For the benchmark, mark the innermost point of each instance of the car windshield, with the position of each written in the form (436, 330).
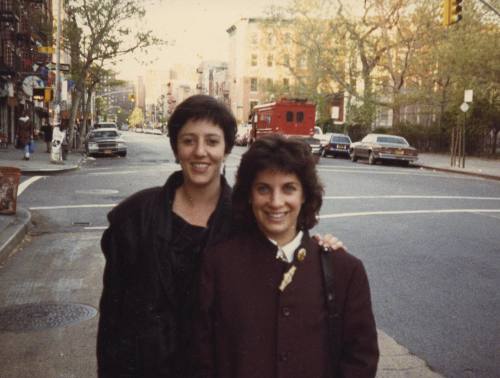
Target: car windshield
(391, 139)
(340, 139)
(105, 134)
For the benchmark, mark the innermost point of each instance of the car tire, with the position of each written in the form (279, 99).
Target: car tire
(371, 159)
(122, 154)
(353, 156)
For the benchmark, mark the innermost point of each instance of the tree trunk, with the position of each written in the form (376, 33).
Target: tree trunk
(494, 141)
(74, 111)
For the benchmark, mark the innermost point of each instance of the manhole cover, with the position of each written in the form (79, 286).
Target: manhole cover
(40, 316)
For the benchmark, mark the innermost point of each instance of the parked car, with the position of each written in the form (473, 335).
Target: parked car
(105, 142)
(383, 147)
(313, 143)
(338, 145)
(323, 137)
(105, 125)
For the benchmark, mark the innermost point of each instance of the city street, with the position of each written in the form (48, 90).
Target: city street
(430, 242)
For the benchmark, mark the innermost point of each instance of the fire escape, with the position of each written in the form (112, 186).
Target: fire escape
(10, 62)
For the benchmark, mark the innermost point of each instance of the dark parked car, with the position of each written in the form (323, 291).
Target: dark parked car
(383, 147)
(338, 145)
(105, 142)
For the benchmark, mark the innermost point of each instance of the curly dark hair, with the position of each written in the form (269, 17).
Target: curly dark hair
(206, 108)
(283, 155)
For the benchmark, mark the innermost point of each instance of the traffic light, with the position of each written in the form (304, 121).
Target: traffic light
(452, 11)
(38, 94)
(48, 94)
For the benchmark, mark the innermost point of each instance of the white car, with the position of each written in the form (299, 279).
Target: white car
(324, 138)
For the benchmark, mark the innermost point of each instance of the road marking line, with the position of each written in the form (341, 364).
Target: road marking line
(22, 186)
(406, 212)
(112, 173)
(71, 207)
(96, 228)
(398, 173)
(409, 197)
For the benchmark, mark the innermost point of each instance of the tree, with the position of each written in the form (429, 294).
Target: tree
(99, 32)
(136, 119)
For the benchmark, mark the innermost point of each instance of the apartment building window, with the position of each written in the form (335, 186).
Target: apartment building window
(287, 38)
(269, 83)
(289, 116)
(253, 60)
(253, 84)
(286, 83)
(270, 60)
(286, 60)
(301, 61)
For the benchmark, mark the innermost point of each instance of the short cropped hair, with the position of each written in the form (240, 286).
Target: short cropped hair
(283, 155)
(202, 108)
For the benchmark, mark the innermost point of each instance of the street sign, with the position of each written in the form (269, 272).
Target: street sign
(468, 95)
(63, 67)
(46, 49)
(464, 107)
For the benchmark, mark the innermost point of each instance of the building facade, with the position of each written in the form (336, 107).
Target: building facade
(259, 67)
(213, 80)
(26, 51)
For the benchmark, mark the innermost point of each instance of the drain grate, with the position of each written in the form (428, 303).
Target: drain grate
(40, 316)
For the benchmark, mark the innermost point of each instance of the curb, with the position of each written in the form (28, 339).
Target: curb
(56, 170)
(14, 232)
(451, 170)
(49, 171)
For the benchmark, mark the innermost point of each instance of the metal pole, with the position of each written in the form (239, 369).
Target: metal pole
(463, 141)
(57, 97)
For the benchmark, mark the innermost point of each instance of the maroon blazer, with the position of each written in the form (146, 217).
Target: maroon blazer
(248, 328)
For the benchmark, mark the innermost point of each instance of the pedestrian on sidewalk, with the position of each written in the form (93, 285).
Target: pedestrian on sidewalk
(25, 136)
(264, 293)
(153, 247)
(47, 134)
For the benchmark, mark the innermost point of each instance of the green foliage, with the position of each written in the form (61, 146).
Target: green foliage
(136, 119)
(97, 33)
(404, 58)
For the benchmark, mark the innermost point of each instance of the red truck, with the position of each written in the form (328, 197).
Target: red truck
(286, 117)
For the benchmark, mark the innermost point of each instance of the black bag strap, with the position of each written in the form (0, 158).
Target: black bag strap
(327, 268)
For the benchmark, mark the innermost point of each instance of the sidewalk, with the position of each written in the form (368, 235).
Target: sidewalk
(480, 167)
(395, 361)
(14, 227)
(39, 162)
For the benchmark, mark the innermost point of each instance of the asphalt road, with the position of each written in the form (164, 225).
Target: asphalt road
(428, 241)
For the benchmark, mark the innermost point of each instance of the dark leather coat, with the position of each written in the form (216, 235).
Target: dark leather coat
(138, 331)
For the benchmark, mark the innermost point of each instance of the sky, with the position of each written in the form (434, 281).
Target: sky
(195, 31)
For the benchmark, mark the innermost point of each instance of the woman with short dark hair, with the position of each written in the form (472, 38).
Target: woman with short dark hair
(153, 246)
(272, 303)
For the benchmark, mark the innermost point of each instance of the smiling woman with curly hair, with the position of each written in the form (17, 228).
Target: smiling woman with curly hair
(272, 302)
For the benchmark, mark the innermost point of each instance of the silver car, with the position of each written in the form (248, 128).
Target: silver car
(105, 142)
(383, 147)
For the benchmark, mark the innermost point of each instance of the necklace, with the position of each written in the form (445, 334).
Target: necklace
(188, 197)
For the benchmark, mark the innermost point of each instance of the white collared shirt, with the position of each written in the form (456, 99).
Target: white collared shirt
(286, 251)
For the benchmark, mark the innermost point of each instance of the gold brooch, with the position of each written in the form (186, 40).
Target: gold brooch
(287, 277)
(301, 254)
